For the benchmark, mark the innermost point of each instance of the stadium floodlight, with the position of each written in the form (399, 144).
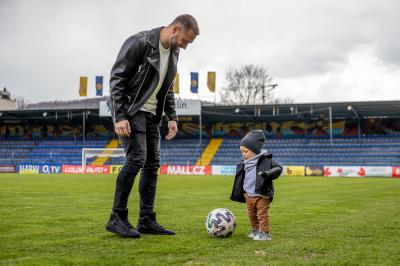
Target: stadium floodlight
(351, 108)
(294, 110)
(107, 153)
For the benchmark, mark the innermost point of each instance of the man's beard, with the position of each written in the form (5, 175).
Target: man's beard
(173, 44)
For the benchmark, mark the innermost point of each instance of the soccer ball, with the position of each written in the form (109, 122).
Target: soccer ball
(220, 223)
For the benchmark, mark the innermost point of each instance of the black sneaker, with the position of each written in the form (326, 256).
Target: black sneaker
(148, 225)
(121, 226)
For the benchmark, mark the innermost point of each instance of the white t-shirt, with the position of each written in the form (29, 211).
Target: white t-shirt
(151, 104)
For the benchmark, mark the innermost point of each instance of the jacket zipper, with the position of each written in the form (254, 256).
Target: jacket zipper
(137, 73)
(145, 75)
(114, 118)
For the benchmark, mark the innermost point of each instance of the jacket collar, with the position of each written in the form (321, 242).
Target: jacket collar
(154, 37)
(267, 155)
(153, 57)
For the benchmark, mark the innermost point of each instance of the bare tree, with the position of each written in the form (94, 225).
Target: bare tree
(21, 102)
(249, 84)
(282, 101)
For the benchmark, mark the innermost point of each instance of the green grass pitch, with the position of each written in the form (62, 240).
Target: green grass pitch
(60, 219)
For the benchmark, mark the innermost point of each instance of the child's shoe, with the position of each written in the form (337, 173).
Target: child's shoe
(262, 236)
(253, 233)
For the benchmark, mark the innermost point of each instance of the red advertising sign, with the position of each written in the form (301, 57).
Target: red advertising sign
(344, 171)
(396, 171)
(97, 169)
(89, 169)
(72, 169)
(185, 170)
(7, 169)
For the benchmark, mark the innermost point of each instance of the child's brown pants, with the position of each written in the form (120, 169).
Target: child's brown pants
(257, 210)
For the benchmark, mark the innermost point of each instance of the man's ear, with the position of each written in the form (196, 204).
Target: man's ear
(176, 29)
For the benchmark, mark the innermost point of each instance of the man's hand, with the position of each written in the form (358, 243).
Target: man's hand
(123, 128)
(172, 130)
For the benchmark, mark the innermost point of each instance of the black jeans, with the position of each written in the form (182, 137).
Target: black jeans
(142, 152)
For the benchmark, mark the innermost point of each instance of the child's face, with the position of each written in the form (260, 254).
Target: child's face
(246, 153)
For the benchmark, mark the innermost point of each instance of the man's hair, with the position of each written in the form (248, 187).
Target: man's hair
(188, 22)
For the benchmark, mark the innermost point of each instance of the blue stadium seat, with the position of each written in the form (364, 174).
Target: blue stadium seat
(371, 151)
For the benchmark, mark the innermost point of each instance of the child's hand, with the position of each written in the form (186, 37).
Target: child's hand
(263, 174)
(272, 173)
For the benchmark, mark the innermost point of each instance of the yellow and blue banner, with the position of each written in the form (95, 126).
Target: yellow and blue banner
(176, 84)
(83, 86)
(99, 85)
(194, 82)
(211, 81)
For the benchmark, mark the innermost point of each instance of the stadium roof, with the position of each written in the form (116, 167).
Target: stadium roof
(84, 104)
(224, 113)
(340, 110)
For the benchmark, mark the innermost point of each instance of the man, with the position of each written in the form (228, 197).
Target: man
(141, 91)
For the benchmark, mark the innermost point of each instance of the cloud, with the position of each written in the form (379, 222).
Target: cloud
(46, 45)
(361, 77)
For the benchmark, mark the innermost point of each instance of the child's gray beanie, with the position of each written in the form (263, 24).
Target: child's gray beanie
(253, 140)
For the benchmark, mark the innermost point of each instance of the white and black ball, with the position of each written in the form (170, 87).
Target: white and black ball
(220, 223)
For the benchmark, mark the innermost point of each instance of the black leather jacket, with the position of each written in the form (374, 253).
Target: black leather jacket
(267, 171)
(135, 76)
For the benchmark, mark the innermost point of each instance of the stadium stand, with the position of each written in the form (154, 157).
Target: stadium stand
(364, 133)
(45, 151)
(184, 152)
(371, 151)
